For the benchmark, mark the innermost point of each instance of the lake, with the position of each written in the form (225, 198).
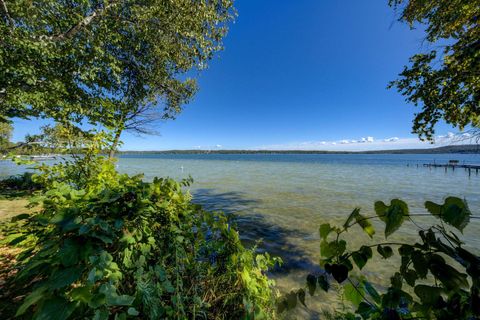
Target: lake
(281, 199)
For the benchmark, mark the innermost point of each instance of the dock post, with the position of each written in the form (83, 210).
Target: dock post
(469, 172)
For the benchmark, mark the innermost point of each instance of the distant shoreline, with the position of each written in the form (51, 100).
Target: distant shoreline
(458, 149)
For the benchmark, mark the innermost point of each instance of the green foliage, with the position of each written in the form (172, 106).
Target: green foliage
(109, 245)
(445, 83)
(437, 277)
(5, 134)
(105, 62)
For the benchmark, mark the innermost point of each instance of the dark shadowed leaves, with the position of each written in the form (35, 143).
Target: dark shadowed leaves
(311, 284)
(362, 256)
(385, 251)
(323, 282)
(339, 272)
(428, 294)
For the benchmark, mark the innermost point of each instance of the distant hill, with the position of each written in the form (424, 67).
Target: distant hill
(471, 148)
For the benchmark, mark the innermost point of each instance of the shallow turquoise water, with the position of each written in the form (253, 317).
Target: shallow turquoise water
(282, 199)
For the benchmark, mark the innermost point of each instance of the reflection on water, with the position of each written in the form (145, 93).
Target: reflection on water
(282, 199)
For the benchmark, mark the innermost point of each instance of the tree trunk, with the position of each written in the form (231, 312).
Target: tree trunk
(116, 140)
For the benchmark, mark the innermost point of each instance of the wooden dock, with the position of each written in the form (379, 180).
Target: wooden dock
(455, 165)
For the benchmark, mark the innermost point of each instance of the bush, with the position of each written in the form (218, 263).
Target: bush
(437, 277)
(116, 246)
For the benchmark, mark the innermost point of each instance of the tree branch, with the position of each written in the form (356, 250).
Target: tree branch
(70, 33)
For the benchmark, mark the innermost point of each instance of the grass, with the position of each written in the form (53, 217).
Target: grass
(11, 204)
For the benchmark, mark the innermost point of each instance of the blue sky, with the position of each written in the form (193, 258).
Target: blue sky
(299, 74)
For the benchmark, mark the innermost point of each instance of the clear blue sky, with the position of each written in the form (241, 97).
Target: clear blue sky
(296, 73)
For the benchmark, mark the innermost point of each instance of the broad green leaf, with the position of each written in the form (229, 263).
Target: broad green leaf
(393, 215)
(55, 308)
(69, 253)
(82, 294)
(454, 211)
(385, 251)
(333, 248)
(325, 230)
(428, 294)
(448, 275)
(362, 256)
(354, 294)
(64, 277)
(31, 299)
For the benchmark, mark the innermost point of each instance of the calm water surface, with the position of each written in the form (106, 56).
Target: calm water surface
(282, 199)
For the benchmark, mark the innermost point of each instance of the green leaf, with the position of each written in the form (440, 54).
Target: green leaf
(448, 275)
(362, 256)
(385, 251)
(82, 294)
(323, 282)
(410, 277)
(19, 217)
(333, 248)
(325, 230)
(428, 294)
(64, 277)
(365, 310)
(291, 299)
(420, 264)
(311, 284)
(353, 294)
(31, 299)
(55, 308)
(69, 253)
(454, 211)
(132, 312)
(301, 296)
(392, 215)
(372, 292)
(339, 272)
(101, 314)
(397, 280)
(352, 216)
(363, 222)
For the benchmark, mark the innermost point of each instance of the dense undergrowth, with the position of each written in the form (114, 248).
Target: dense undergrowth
(106, 245)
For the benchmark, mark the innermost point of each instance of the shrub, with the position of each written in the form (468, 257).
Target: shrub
(437, 278)
(116, 246)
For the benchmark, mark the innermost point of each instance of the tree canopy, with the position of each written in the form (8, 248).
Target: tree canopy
(445, 81)
(100, 61)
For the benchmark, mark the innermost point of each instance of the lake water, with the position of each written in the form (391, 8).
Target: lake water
(282, 199)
